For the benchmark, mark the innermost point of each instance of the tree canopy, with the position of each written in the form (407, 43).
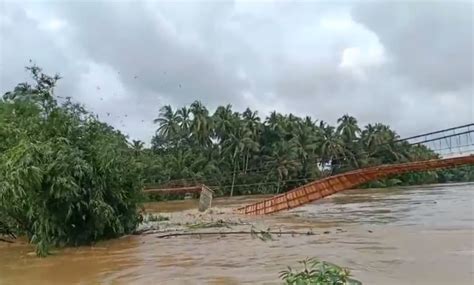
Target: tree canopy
(65, 177)
(242, 153)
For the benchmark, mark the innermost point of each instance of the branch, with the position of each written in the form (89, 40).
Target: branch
(6, 240)
(279, 233)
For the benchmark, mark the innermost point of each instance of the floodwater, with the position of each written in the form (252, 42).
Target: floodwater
(412, 235)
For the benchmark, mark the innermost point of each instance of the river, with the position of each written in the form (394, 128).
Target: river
(407, 235)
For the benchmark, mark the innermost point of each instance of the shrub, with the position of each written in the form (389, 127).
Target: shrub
(65, 177)
(155, 218)
(316, 272)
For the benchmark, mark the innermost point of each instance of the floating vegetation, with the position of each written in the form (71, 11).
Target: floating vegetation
(315, 272)
(155, 218)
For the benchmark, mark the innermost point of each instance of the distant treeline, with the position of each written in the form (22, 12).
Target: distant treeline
(241, 153)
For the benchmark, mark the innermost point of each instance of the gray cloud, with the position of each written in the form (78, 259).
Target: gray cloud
(431, 42)
(150, 52)
(399, 63)
(23, 38)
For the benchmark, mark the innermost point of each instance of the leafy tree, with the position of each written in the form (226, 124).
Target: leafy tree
(137, 146)
(348, 128)
(201, 126)
(168, 123)
(65, 177)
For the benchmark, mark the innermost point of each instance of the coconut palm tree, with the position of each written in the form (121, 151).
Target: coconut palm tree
(332, 147)
(168, 123)
(137, 146)
(348, 128)
(379, 143)
(306, 144)
(223, 122)
(201, 126)
(184, 119)
(238, 143)
(251, 121)
(283, 160)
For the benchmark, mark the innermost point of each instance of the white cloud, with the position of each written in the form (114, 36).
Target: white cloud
(54, 25)
(359, 61)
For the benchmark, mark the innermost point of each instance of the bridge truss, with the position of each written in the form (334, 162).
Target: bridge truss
(455, 147)
(447, 142)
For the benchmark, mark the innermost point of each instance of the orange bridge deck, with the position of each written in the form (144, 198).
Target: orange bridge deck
(322, 188)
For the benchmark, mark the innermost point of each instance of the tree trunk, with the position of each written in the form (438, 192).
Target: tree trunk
(278, 186)
(247, 161)
(233, 181)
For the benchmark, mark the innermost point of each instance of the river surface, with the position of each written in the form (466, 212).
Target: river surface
(411, 235)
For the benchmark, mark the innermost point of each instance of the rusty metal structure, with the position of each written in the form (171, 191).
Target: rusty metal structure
(322, 188)
(205, 193)
(175, 190)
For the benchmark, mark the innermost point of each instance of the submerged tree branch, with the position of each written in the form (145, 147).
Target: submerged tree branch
(278, 233)
(6, 240)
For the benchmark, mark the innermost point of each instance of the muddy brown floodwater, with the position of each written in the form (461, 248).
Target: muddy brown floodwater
(412, 235)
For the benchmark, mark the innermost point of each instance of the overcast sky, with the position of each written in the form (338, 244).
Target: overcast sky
(407, 64)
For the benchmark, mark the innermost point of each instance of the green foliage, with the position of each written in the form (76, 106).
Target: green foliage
(460, 174)
(65, 177)
(316, 272)
(240, 153)
(155, 218)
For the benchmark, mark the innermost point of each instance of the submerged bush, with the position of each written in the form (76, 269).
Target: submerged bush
(316, 272)
(65, 177)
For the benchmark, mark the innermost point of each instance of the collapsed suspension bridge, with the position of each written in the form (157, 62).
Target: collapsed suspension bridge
(455, 142)
(454, 146)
